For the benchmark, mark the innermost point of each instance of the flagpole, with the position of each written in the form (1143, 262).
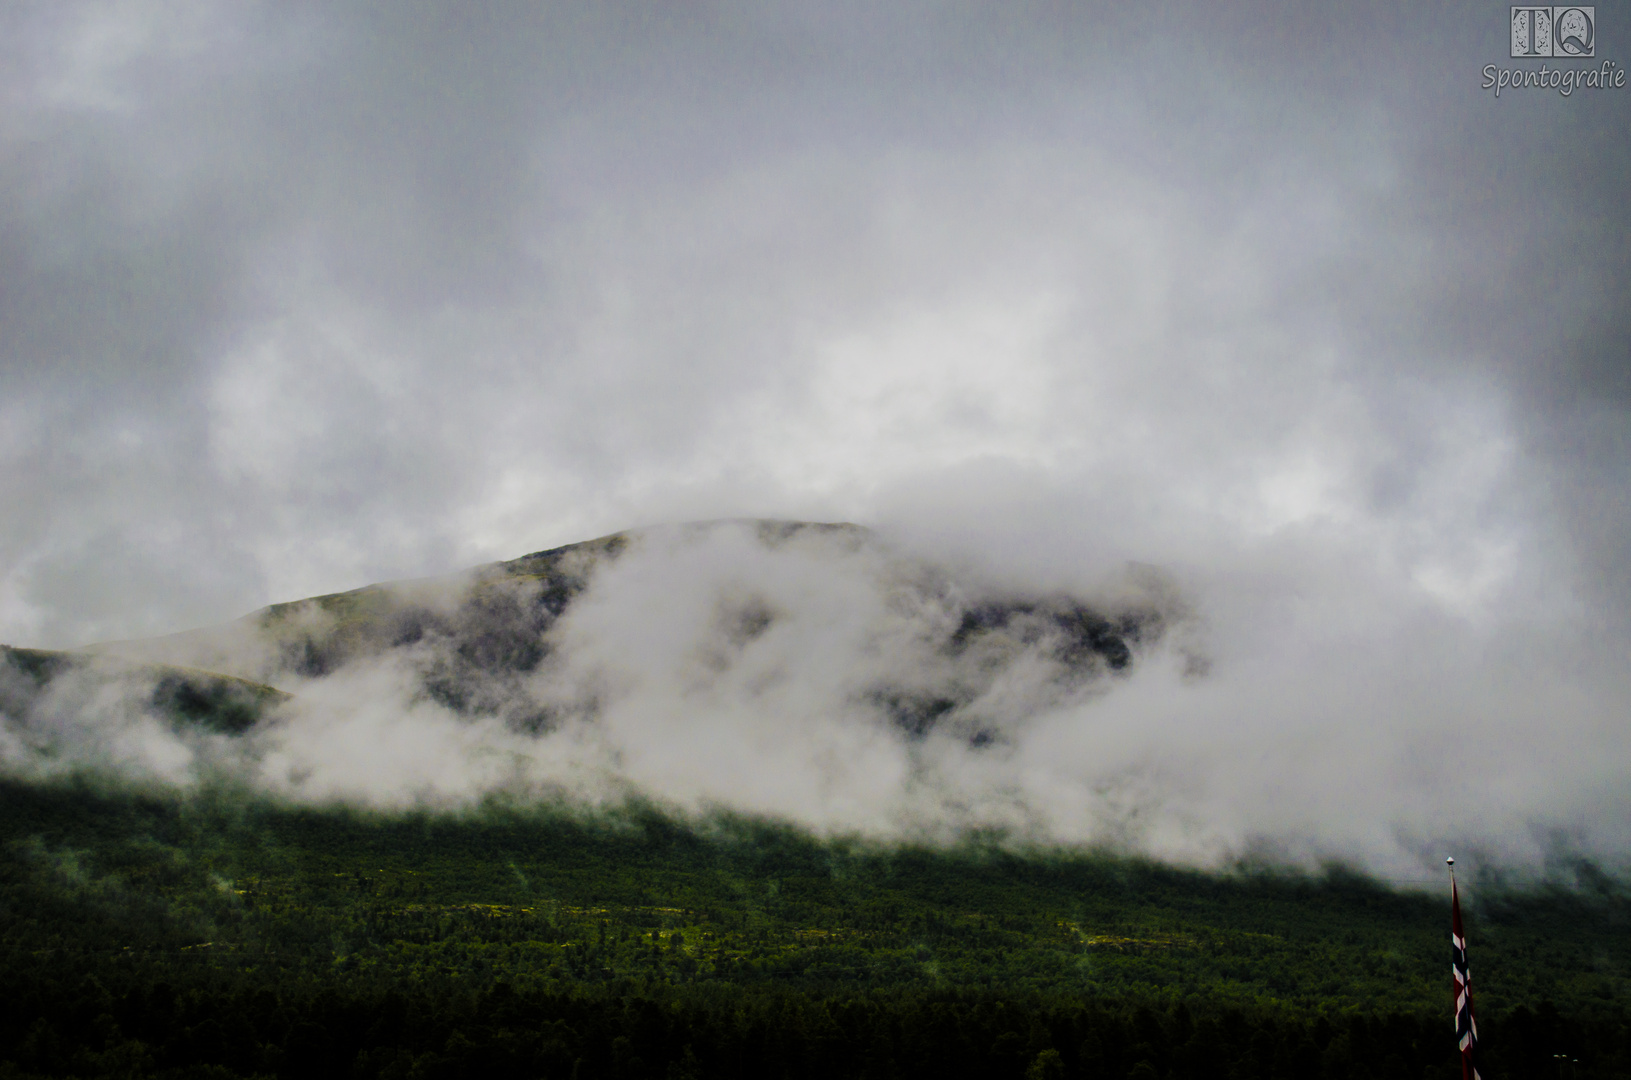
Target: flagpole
(1466, 1028)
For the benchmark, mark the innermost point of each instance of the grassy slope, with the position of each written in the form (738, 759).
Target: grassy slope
(224, 704)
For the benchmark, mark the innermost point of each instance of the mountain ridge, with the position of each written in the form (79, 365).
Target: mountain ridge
(477, 637)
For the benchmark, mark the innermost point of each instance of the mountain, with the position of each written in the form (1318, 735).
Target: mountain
(495, 612)
(224, 853)
(185, 697)
(479, 643)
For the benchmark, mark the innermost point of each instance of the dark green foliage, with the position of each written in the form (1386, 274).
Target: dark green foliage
(220, 935)
(36, 666)
(25, 673)
(186, 697)
(218, 703)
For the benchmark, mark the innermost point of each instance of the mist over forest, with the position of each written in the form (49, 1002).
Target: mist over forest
(1301, 370)
(758, 538)
(1318, 361)
(821, 675)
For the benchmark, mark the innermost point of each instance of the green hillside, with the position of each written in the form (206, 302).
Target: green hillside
(213, 932)
(183, 696)
(144, 932)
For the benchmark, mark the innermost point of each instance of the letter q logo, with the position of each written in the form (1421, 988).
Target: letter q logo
(1559, 32)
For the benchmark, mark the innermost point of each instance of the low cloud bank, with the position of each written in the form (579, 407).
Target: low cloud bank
(827, 676)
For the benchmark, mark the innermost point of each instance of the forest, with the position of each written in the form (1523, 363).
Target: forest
(220, 933)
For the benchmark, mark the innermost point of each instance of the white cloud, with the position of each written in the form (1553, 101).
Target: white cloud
(295, 302)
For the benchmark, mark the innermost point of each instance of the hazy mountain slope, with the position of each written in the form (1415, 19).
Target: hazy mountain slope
(477, 636)
(313, 637)
(492, 623)
(793, 668)
(39, 681)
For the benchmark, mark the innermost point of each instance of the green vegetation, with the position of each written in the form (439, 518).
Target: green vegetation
(218, 935)
(183, 696)
(497, 615)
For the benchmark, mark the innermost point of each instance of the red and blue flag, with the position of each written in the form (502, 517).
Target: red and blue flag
(1466, 1028)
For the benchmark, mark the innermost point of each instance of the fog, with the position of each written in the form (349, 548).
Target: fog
(1269, 319)
(832, 677)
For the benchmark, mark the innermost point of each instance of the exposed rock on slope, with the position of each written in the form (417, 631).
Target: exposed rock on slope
(786, 618)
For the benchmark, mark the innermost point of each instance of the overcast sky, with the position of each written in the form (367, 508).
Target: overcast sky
(1279, 297)
(295, 299)
(298, 297)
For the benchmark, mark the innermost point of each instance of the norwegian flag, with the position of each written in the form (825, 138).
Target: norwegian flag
(1466, 1029)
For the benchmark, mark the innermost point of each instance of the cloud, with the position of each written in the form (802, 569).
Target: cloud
(299, 298)
(831, 677)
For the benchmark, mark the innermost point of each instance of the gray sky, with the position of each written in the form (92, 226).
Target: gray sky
(294, 298)
(297, 298)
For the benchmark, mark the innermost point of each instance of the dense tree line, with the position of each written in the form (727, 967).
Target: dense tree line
(86, 1028)
(143, 934)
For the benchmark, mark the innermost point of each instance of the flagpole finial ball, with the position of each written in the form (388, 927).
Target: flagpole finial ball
(1449, 862)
